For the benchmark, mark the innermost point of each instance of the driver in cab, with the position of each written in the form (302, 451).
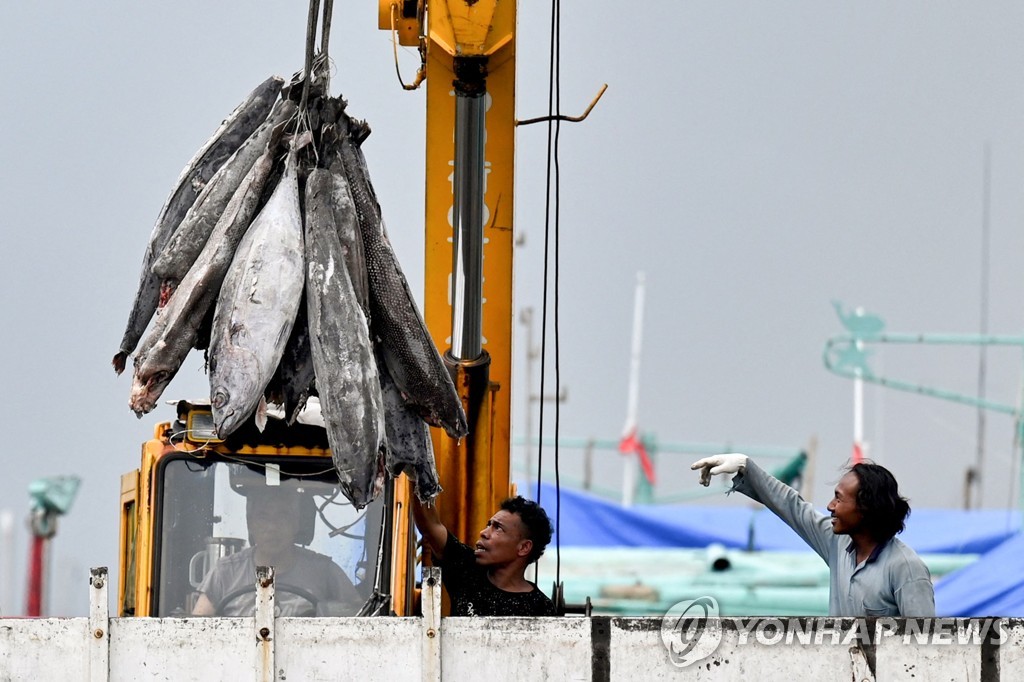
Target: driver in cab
(306, 583)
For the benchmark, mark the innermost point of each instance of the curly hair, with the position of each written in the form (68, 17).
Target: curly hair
(535, 520)
(878, 498)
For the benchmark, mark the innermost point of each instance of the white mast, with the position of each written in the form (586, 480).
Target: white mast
(858, 404)
(858, 415)
(6, 563)
(630, 429)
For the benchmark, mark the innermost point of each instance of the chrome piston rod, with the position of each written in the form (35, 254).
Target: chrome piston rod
(468, 226)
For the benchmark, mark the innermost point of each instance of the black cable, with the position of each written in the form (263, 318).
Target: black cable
(553, 178)
(558, 378)
(547, 243)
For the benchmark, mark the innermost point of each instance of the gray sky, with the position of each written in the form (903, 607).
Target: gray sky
(755, 160)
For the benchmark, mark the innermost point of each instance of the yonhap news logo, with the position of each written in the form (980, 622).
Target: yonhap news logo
(691, 631)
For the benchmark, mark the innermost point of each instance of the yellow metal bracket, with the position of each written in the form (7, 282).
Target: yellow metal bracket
(390, 16)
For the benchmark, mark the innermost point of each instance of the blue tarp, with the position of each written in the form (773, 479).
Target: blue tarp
(991, 586)
(589, 521)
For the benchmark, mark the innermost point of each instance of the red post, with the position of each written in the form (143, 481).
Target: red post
(36, 574)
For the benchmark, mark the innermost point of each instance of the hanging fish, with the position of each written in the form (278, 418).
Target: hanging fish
(235, 129)
(410, 450)
(347, 222)
(177, 329)
(257, 306)
(191, 236)
(409, 351)
(346, 374)
(295, 379)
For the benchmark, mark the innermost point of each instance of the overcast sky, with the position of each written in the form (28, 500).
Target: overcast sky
(755, 160)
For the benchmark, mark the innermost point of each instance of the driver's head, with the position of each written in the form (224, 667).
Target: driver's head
(272, 515)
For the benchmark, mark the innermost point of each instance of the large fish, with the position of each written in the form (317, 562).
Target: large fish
(179, 327)
(409, 351)
(188, 240)
(346, 374)
(235, 129)
(257, 306)
(410, 450)
(296, 380)
(347, 222)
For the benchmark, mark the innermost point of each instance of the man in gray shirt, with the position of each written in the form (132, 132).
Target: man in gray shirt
(872, 573)
(308, 583)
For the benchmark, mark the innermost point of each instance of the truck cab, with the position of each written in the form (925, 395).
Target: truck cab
(183, 512)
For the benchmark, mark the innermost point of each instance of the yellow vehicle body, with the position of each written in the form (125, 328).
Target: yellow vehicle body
(145, 495)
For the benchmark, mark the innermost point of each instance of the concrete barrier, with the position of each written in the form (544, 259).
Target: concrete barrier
(514, 649)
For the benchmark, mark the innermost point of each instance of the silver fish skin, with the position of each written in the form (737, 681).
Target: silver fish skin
(257, 305)
(347, 222)
(409, 351)
(296, 379)
(191, 235)
(233, 131)
(177, 328)
(346, 372)
(410, 450)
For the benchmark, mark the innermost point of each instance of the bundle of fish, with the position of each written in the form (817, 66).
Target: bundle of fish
(271, 255)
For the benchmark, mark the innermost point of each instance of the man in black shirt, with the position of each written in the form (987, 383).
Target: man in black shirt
(488, 579)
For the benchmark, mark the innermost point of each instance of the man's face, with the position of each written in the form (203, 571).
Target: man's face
(846, 517)
(273, 521)
(502, 540)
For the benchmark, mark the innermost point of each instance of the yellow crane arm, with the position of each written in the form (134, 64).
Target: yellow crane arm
(468, 49)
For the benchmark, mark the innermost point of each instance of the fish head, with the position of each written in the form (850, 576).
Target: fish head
(148, 383)
(363, 488)
(144, 394)
(234, 389)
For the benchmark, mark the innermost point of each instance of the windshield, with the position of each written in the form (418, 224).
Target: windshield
(221, 518)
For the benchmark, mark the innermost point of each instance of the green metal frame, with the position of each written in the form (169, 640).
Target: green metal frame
(847, 356)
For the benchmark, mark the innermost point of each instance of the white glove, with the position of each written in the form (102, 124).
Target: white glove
(719, 464)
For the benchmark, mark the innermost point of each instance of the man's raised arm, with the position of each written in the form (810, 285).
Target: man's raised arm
(435, 535)
(784, 501)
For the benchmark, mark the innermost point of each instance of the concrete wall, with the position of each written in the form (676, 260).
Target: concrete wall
(497, 649)
(494, 650)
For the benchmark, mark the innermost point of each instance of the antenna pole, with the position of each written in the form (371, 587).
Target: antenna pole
(858, 404)
(979, 461)
(632, 406)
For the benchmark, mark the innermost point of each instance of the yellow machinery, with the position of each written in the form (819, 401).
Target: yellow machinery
(184, 507)
(468, 50)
